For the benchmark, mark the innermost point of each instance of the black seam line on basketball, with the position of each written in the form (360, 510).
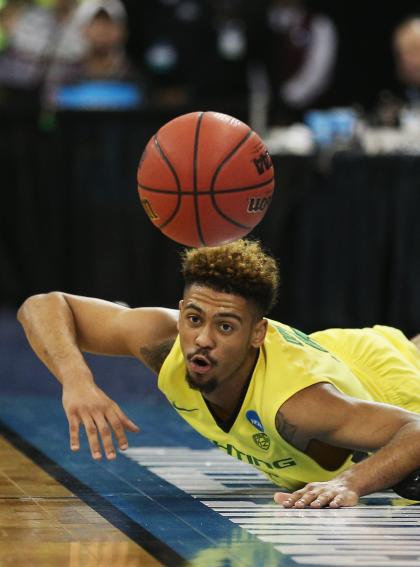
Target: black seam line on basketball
(178, 184)
(195, 173)
(141, 536)
(213, 182)
(209, 192)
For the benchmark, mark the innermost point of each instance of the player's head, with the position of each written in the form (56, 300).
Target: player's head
(241, 267)
(406, 43)
(228, 290)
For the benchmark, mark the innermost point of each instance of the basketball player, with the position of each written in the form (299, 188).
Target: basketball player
(297, 407)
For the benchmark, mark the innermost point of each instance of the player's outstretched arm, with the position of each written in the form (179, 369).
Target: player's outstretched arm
(390, 433)
(60, 326)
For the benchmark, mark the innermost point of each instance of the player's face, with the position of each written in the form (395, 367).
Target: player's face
(219, 333)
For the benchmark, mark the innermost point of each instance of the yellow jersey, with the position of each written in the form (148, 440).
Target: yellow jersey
(288, 362)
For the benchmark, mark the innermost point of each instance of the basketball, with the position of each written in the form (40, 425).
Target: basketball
(205, 179)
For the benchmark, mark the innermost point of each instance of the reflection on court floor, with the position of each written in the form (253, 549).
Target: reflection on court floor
(381, 531)
(172, 497)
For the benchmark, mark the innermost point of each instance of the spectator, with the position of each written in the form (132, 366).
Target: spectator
(300, 56)
(406, 43)
(36, 35)
(406, 94)
(68, 42)
(105, 34)
(104, 73)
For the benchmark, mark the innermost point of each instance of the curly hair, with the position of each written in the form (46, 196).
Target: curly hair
(241, 267)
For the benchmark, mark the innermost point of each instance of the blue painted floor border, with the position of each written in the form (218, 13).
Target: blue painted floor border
(182, 523)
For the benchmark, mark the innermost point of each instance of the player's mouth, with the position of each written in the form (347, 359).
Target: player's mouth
(200, 364)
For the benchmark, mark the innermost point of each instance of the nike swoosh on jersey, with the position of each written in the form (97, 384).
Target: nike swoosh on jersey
(183, 409)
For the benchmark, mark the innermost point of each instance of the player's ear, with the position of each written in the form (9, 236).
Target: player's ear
(259, 332)
(180, 304)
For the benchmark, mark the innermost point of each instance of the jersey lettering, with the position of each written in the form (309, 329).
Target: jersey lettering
(259, 463)
(298, 338)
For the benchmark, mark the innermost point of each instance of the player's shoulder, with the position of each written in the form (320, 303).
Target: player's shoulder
(293, 339)
(150, 333)
(150, 322)
(162, 315)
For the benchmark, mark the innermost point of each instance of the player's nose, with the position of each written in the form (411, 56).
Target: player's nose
(204, 337)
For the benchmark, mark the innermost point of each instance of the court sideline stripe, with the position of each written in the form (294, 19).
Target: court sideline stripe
(142, 537)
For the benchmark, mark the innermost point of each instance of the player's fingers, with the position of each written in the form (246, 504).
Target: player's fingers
(74, 425)
(105, 435)
(337, 501)
(118, 429)
(349, 498)
(92, 435)
(288, 500)
(281, 497)
(306, 499)
(322, 499)
(127, 423)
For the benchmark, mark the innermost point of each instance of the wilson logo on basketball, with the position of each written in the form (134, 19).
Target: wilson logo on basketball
(258, 204)
(263, 162)
(149, 210)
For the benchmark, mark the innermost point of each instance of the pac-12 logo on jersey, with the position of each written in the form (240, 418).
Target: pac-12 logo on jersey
(262, 440)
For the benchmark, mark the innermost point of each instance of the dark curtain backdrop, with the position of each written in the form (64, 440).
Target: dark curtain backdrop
(347, 233)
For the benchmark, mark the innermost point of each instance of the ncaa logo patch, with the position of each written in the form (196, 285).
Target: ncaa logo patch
(254, 419)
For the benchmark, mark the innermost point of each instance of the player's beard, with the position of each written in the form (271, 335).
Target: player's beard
(205, 388)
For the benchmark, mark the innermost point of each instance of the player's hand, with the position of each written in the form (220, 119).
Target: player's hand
(334, 494)
(87, 404)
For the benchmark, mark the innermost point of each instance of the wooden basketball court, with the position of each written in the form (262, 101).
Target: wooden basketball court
(44, 524)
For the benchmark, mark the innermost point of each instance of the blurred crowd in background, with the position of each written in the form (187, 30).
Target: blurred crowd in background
(269, 62)
(312, 77)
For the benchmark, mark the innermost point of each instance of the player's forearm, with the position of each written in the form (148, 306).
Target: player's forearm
(389, 465)
(50, 329)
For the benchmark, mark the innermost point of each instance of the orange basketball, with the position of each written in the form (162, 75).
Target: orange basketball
(205, 179)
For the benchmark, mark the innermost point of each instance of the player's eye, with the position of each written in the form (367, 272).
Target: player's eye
(194, 320)
(225, 327)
